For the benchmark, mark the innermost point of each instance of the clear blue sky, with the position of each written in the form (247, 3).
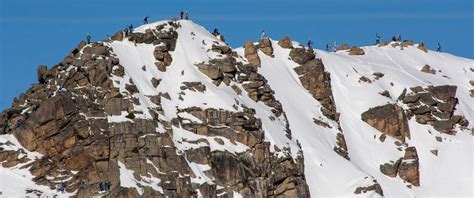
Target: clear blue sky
(43, 32)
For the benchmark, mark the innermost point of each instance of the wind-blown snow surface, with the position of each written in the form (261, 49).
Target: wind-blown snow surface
(327, 174)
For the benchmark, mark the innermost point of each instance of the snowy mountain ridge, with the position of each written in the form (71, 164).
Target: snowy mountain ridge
(171, 110)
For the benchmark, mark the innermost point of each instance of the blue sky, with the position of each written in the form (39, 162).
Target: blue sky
(43, 32)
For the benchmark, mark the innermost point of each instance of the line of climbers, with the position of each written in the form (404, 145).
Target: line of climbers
(185, 15)
(129, 29)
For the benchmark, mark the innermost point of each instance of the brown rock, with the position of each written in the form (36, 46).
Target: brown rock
(389, 119)
(356, 51)
(250, 53)
(286, 43)
(428, 69)
(265, 46)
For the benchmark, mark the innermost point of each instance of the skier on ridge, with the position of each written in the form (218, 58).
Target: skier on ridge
(310, 44)
(88, 38)
(327, 47)
(334, 46)
(377, 38)
(181, 15)
(130, 28)
(439, 47)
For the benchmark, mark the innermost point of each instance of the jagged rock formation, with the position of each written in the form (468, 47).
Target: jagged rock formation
(317, 81)
(435, 106)
(406, 167)
(389, 119)
(251, 53)
(286, 43)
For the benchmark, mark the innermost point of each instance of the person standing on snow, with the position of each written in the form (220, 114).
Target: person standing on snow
(125, 31)
(439, 47)
(377, 38)
(130, 28)
(399, 38)
(181, 15)
(145, 20)
(186, 15)
(327, 47)
(263, 35)
(310, 44)
(334, 46)
(88, 38)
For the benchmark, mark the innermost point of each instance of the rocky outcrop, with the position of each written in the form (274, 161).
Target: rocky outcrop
(251, 53)
(344, 46)
(421, 46)
(301, 55)
(284, 176)
(221, 49)
(356, 51)
(389, 119)
(428, 69)
(286, 43)
(220, 70)
(265, 45)
(407, 167)
(435, 106)
(374, 187)
(317, 81)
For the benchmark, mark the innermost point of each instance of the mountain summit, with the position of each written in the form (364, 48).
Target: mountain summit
(170, 110)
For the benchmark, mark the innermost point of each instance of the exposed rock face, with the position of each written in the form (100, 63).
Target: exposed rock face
(406, 167)
(428, 69)
(374, 187)
(221, 49)
(265, 46)
(344, 46)
(42, 69)
(389, 119)
(317, 81)
(435, 106)
(301, 55)
(286, 43)
(356, 51)
(422, 47)
(234, 170)
(250, 53)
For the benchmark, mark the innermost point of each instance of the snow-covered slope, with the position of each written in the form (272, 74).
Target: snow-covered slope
(449, 173)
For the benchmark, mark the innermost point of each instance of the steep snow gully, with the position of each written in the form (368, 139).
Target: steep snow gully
(444, 160)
